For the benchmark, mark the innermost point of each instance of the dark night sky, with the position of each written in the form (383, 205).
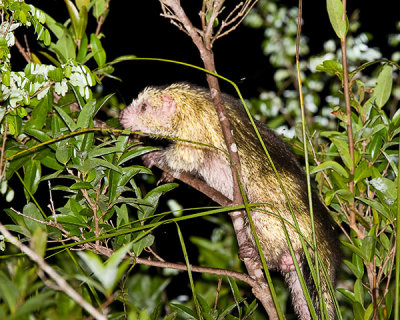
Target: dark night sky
(139, 29)
(136, 28)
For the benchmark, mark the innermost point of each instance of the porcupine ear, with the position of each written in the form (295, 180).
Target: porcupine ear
(169, 105)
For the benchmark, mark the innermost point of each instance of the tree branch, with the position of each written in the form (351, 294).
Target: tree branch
(199, 185)
(177, 266)
(203, 41)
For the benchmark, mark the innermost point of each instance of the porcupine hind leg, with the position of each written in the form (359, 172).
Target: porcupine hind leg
(288, 270)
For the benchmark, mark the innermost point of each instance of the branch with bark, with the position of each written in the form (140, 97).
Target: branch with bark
(204, 39)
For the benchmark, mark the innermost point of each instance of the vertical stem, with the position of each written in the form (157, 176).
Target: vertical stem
(317, 280)
(397, 281)
(349, 121)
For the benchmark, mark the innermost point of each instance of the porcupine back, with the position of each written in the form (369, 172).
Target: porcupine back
(195, 119)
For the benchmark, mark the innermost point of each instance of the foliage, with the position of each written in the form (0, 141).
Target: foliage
(51, 137)
(69, 180)
(370, 193)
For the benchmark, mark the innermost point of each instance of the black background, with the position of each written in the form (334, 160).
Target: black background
(137, 28)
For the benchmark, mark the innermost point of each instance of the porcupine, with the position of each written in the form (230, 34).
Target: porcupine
(187, 112)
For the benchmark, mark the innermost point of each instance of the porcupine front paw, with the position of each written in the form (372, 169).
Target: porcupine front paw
(152, 159)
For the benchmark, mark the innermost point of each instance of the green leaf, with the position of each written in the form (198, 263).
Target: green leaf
(386, 186)
(102, 151)
(383, 87)
(40, 135)
(82, 3)
(153, 196)
(362, 171)
(143, 243)
(83, 20)
(336, 12)
(86, 115)
(9, 292)
(102, 101)
(343, 149)
(64, 152)
(347, 293)
(389, 303)
(5, 77)
(71, 220)
(74, 16)
(37, 302)
(38, 241)
(57, 28)
(39, 113)
(99, 8)
(332, 67)
(343, 193)
(385, 241)
(353, 268)
(81, 185)
(187, 311)
(359, 292)
(99, 53)
(56, 74)
(33, 173)
(82, 53)
(374, 146)
(207, 312)
(50, 161)
(358, 311)
(331, 165)
(395, 123)
(377, 206)
(87, 141)
(46, 37)
(368, 247)
(236, 293)
(106, 164)
(119, 180)
(122, 58)
(251, 308)
(32, 211)
(65, 47)
(136, 152)
(354, 249)
(67, 119)
(112, 270)
(369, 311)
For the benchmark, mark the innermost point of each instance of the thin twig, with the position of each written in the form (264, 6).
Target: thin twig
(102, 18)
(24, 53)
(242, 15)
(95, 217)
(51, 205)
(217, 294)
(349, 121)
(47, 223)
(34, 95)
(3, 164)
(169, 265)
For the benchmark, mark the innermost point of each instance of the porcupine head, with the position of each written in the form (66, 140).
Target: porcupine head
(178, 111)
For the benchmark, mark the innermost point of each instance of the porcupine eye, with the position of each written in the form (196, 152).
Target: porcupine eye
(143, 107)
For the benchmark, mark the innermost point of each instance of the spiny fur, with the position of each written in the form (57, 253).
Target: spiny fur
(195, 119)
